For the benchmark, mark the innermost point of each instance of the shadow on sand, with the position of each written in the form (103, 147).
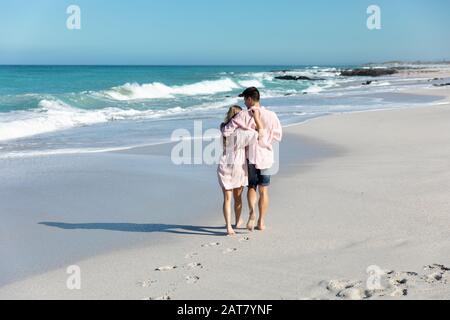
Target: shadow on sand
(137, 228)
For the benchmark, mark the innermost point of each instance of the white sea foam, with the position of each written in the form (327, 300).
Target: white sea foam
(135, 91)
(381, 84)
(50, 116)
(55, 115)
(251, 83)
(313, 89)
(266, 94)
(42, 153)
(260, 76)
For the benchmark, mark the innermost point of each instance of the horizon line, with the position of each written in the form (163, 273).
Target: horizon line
(173, 65)
(443, 61)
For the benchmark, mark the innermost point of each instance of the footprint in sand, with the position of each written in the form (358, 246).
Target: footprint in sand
(401, 278)
(212, 244)
(245, 239)
(436, 273)
(394, 284)
(192, 279)
(353, 294)
(194, 265)
(146, 283)
(355, 290)
(165, 297)
(346, 289)
(398, 284)
(191, 255)
(166, 268)
(339, 285)
(230, 250)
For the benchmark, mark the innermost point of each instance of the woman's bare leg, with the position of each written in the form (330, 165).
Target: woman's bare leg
(227, 197)
(237, 193)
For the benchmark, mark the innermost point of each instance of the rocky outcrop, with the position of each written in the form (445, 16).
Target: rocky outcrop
(296, 78)
(441, 84)
(283, 71)
(368, 72)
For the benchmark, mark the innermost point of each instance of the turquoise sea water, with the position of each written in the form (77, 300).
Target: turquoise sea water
(140, 87)
(58, 109)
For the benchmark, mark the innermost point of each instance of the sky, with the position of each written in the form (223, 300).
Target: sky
(222, 32)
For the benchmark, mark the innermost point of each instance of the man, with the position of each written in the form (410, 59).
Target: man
(260, 154)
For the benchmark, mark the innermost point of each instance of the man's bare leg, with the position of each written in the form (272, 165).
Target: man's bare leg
(237, 193)
(263, 207)
(252, 198)
(227, 197)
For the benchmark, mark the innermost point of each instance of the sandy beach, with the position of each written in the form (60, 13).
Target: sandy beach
(357, 192)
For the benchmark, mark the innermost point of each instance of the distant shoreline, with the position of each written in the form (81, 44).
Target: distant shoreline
(233, 65)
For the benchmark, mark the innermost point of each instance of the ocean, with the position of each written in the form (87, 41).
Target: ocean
(47, 110)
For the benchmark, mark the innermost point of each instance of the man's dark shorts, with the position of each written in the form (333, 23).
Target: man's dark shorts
(257, 177)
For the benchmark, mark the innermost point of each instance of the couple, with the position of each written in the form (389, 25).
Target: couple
(248, 138)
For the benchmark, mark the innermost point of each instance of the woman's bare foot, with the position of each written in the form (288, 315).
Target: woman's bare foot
(230, 231)
(251, 223)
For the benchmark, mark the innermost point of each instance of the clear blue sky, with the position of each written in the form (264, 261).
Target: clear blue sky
(216, 32)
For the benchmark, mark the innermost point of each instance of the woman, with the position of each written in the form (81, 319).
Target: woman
(233, 171)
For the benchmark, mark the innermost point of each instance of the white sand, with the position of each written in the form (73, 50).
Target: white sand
(382, 201)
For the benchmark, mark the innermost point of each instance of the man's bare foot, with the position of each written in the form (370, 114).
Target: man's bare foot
(240, 224)
(251, 223)
(230, 231)
(261, 226)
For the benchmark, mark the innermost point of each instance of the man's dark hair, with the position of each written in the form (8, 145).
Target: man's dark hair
(251, 92)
